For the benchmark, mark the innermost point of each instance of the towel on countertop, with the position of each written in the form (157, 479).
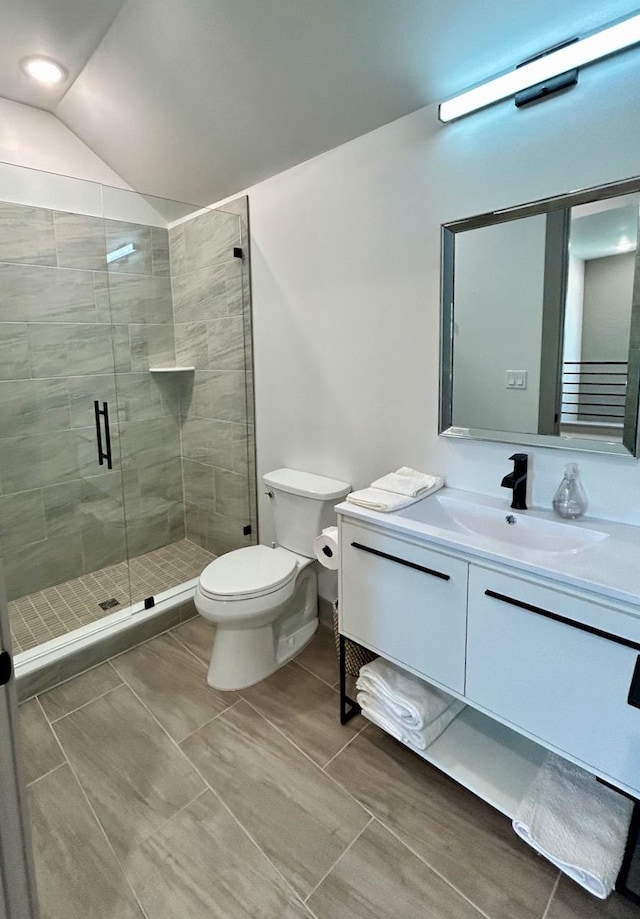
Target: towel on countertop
(576, 822)
(409, 482)
(410, 701)
(377, 500)
(375, 710)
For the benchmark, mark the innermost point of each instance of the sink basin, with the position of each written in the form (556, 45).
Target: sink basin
(518, 529)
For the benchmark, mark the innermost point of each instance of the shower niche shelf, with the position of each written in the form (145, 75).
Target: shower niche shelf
(171, 369)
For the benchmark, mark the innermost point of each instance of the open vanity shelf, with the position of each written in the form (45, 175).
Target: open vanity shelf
(481, 754)
(488, 758)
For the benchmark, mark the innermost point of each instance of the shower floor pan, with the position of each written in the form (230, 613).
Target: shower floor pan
(60, 610)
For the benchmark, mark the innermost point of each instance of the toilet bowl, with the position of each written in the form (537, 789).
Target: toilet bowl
(263, 600)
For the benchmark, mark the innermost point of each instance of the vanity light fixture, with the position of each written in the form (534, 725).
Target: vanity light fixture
(44, 70)
(542, 70)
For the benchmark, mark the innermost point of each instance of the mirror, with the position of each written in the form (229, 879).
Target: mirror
(540, 333)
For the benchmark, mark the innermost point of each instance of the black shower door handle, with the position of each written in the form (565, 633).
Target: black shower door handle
(103, 454)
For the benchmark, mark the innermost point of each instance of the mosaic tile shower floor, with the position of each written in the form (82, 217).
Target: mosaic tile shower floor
(49, 613)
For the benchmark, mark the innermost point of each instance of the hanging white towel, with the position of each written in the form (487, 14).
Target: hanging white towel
(377, 500)
(409, 482)
(374, 710)
(410, 700)
(576, 822)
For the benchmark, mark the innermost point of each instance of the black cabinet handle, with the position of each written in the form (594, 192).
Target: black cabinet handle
(402, 561)
(103, 454)
(558, 618)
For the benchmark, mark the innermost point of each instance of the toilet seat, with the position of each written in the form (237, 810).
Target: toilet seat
(253, 571)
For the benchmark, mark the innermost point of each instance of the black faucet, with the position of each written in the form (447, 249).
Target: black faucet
(517, 480)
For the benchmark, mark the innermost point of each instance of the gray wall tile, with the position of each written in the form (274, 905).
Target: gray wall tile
(33, 406)
(210, 238)
(160, 251)
(14, 353)
(232, 495)
(177, 251)
(148, 442)
(152, 346)
(57, 350)
(121, 348)
(33, 294)
(80, 241)
(200, 294)
(226, 344)
(22, 519)
(162, 479)
(192, 346)
(47, 459)
(84, 391)
(42, 564)
(137, 298)
(220, 395)
(102, 545)
(139, 397)
(200, 485)
(236, 287)
(26, 234)
(119, 234)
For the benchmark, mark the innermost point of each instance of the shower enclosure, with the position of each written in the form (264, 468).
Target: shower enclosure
(126, 414)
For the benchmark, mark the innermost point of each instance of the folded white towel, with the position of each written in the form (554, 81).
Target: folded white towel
(576, 822)
(377, 500)
(374, 710)
(410, 700)
(409, 482)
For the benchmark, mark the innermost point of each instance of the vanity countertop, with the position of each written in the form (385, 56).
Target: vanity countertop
(608, 564)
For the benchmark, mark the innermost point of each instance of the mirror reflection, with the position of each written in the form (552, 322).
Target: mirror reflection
(538, 323)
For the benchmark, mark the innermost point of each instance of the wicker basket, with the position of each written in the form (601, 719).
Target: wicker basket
(355, 655)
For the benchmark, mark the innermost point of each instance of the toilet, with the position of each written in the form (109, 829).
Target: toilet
(264, 601)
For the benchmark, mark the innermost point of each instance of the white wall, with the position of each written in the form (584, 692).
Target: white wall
(345, 269)
(608, 294)
(498, 296)
(43, 163)
(37, 139)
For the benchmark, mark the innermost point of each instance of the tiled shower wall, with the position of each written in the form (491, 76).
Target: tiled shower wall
(184, 452)
(61, 513)
(213, 333)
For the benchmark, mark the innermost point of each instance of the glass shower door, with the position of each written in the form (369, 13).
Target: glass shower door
(179, 294)
(62, 534)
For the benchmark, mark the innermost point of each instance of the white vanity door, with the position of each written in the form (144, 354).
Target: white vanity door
(558, 680)
(406, 602)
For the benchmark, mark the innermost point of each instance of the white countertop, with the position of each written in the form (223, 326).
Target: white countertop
(610, 567)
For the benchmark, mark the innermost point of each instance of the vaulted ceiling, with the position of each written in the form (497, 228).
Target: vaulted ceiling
(198, 99)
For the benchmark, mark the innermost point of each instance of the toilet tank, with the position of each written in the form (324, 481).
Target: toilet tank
(302, 506)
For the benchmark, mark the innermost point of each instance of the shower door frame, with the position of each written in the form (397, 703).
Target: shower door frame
(18, 895)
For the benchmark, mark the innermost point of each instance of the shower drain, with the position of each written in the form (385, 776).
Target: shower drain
(109, 604)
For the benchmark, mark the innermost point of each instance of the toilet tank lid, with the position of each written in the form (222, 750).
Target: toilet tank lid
(306, 484)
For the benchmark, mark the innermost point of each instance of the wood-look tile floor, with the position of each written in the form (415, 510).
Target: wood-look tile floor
(152, 795)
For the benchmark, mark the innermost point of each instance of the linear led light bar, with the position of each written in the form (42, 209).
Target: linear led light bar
(122, 252)
(577, 54)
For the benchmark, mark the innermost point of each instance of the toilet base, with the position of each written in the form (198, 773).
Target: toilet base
(242, 657)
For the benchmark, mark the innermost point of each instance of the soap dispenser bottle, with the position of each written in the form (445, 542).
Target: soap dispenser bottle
(570, 500)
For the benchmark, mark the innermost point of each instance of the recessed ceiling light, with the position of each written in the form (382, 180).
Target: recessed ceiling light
(44, 70)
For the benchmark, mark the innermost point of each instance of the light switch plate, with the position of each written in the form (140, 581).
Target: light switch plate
(516, 379)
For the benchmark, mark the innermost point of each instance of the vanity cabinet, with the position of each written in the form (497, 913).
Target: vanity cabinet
(541, 664)
(558, 666)
(405, 601)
